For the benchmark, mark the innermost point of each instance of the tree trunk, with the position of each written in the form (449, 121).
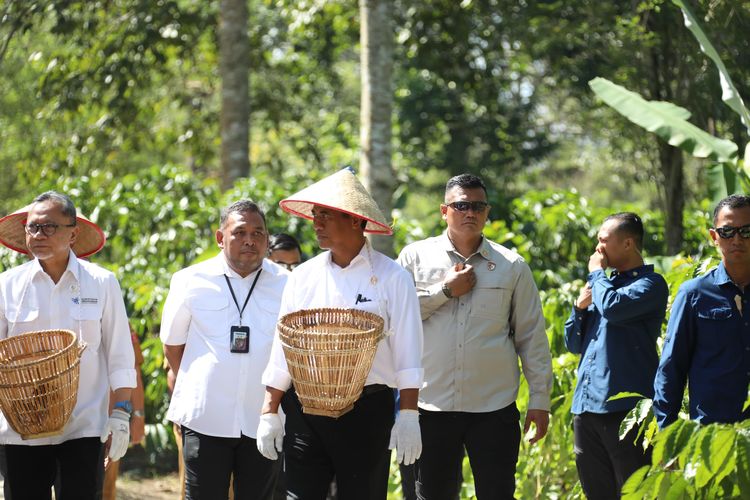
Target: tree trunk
(376, 40)
(672, 165)
(234, 67)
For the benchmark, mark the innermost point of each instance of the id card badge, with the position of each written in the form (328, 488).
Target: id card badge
(239, 339)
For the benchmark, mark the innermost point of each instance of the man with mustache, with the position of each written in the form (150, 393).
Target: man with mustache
(217, 327)
(480, 313)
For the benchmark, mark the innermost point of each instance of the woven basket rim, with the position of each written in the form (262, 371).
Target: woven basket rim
(73, 366)
(284, 320)
(19, 338)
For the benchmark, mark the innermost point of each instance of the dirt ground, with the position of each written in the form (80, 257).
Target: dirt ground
(129, 488)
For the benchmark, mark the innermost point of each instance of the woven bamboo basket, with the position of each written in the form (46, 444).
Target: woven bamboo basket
(329, 353)
(39, 381)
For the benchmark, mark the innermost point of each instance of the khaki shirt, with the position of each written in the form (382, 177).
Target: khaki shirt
(472, 343)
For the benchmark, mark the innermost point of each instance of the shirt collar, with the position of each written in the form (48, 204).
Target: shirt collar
(635, 272)
(484, 249)
(360, 258)
(73, 266)
(221, 267)
(721, 276)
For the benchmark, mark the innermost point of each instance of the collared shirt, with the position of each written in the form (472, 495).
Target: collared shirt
(320, 282)
(707, 344)
(86, 300)
(218, 392)
(473, 342)
(616, 338)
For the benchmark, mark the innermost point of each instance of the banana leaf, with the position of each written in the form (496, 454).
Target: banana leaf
(729, 93)
(666, 120)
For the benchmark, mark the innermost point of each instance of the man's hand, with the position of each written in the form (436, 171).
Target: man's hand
(540, 418)
(406, 437)
(118, 426)
(584, 299)
(460, 279)
(598, 260)
(270, 435)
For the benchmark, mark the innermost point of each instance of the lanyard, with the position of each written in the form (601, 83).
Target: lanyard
(248, 294)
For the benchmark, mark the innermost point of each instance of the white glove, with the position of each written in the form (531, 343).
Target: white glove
(406, 437)
(119, 425)
(270, 435)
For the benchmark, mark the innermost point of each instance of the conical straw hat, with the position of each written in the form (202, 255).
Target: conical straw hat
(341, 191)
(13, 235)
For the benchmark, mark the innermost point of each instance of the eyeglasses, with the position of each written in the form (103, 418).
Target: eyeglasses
(728, 232)
(464, 206)
(47, 229)
(288, 265)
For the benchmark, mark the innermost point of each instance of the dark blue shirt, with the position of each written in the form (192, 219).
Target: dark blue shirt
(707, 343)
(616, 338)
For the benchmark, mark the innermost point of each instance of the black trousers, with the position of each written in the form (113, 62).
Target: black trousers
(353, 447)
(210, 461)
(605, 462)
(77, 464)
(491, 440)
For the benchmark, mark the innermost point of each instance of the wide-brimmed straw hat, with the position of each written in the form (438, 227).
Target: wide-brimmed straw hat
(341, 191)
(13, 235)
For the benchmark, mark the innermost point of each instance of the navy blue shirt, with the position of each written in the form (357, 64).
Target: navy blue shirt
(708, 343)
(616, 338)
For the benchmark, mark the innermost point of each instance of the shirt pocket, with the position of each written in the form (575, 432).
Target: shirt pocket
(212, 313)
(22, 320)
(491, 303)
(424, 277)
(714, 312)
(87, 322)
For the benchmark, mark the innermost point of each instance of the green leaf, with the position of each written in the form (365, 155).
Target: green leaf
(729, 94)
(677, 490)
(637, 485)
(720, 459)
(701, 455)
(670, 442)
(742, 459)
(665, 120)
(722, 181)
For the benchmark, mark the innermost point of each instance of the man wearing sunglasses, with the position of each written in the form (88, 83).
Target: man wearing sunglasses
(480, 313)
(708, 337)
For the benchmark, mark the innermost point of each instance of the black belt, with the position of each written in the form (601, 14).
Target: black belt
(373, 388)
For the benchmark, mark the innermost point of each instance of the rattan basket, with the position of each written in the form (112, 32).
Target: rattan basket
(39, 381)
(329, 353)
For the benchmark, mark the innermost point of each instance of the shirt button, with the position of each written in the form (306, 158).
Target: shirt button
(459, 345)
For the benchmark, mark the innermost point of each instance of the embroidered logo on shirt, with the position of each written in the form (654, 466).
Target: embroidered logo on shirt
(491, 266)
(75, 300)
(361, 298)
(89, 300)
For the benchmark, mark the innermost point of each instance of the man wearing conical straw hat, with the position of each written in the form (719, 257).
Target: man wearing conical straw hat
(355, 446)
(59, 290)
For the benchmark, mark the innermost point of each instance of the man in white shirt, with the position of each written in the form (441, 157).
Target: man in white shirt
(217, 328)
(59, 290)
(481, 313)
(353, 447)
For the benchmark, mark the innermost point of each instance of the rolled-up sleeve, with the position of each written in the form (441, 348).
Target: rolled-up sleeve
(175, 318)
(527, 323)
(118, 348)
(276, 373)
(407, 341)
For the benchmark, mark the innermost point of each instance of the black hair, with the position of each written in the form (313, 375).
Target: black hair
(240, 207)
(731, 202)
(465, 181)
(283, 241)
(630, 224)
(67, 206)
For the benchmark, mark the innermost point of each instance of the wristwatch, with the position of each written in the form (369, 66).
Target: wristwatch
(125, 406)
(447, 291)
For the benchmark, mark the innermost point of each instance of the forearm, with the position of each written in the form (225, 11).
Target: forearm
(122, 394)
(408, 399)
(271, 400)
(174, 354)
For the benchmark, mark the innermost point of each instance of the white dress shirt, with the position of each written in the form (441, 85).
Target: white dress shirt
(473, 342)
(88, 301)
(218, 392)
(320, 282)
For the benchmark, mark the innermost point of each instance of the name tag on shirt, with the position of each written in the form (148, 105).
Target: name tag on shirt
(239, 339)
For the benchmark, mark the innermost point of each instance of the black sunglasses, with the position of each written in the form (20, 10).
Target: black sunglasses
(464, 206)
(728, 232)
